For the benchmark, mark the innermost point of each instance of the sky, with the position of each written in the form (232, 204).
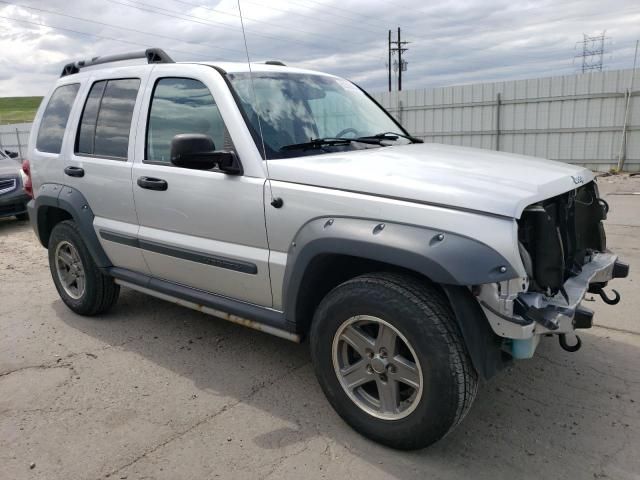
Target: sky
(452, 42)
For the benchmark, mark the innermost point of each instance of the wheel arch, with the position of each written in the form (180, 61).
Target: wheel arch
(55, 203)
(329, 251)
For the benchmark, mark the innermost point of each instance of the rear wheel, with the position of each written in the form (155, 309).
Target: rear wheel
(388, 354)
(80, 283)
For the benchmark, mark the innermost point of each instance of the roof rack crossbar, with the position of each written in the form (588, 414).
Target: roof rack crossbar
(153, 55)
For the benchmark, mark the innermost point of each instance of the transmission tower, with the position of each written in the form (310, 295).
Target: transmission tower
(592, 51)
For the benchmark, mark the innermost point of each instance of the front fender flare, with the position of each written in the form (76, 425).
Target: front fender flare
(443, 257)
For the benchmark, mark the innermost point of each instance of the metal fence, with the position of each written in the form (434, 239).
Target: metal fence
(15, 138)
(575, 118)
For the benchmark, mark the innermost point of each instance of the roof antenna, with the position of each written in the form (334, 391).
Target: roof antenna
(275, 202)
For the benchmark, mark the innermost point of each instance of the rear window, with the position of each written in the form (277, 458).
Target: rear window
(55, 117)
(106, 120)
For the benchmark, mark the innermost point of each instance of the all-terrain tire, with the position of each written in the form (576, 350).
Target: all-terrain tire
(421, 313)
(100, 291)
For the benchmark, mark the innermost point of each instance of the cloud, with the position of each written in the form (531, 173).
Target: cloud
(452, 42)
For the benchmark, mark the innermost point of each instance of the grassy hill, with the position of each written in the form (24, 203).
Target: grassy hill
(18, 109)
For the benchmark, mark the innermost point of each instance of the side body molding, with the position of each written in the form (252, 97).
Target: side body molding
(443, 257)
(75, 204)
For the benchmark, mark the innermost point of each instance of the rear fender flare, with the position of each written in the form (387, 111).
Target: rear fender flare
(73, 202)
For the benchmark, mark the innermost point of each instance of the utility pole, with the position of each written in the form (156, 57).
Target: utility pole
(592, 51)
(623, 140)
(399, 62)
(402, 64)
(389, 65)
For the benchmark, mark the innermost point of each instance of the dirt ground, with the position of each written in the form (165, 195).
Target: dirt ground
(157, 391)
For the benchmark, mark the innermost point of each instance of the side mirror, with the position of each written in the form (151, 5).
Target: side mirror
(198, 152)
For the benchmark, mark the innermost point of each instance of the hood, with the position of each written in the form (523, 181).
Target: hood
(468, 178)
(9, 166)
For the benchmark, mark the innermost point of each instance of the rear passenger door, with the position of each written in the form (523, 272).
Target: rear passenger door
(100, 165)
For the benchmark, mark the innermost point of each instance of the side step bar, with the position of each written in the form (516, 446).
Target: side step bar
(253, 316)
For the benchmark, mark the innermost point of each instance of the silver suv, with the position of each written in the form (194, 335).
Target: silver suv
(289, 201)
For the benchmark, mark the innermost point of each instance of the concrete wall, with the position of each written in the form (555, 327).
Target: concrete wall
(574, 118)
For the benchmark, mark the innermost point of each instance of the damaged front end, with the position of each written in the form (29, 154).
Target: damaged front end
(563, 249)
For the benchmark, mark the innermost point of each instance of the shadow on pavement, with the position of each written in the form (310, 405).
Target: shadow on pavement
(559, 415)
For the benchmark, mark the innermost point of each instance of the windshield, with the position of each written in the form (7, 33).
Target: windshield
(297, 108)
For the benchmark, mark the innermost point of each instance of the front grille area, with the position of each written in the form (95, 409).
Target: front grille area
(558, 234)
(7, 185)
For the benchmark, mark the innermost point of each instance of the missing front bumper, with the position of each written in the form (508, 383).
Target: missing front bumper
(517, 314)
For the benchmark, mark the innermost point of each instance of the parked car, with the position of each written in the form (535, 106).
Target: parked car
(13, 199)
(289, 201)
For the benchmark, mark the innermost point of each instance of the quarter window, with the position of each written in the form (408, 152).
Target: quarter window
(181, 105)
(106, 119)
(55, 117)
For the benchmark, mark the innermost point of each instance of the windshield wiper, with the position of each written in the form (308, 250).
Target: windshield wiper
(328, 142)
(389, 136)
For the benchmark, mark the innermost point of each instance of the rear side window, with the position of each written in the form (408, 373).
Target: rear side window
(106, 119)
(181, 105)
(55, 117)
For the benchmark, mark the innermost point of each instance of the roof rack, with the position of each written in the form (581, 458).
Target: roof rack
(153, 55)
(275, 62)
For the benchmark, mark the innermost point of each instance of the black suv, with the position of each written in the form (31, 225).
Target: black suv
(13, 198)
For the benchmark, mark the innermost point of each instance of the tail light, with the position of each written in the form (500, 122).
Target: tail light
(26, 178)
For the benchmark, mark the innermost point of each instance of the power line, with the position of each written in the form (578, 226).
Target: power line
(355, 15)
(199, 20)
(289, 12)
(118, 27)
(312, 17)
(102, 37)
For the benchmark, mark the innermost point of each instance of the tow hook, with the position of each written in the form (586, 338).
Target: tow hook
(609, 301)
(562, 338)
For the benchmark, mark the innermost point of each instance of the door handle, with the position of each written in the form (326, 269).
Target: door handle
(151, 183)
(74, 171)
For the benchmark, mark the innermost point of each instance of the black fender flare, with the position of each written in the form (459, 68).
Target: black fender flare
(483, 345)
(443, 257)
(75, 204)
(453, 261)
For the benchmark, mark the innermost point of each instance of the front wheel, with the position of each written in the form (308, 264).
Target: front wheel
(390, 358)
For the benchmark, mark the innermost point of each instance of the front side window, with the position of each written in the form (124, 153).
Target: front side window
(181, 105)
(55, 117)
(106, 118)
(296, 108)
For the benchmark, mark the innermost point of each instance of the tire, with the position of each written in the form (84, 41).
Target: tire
(22, 217)
(421, 317)
(97, 292)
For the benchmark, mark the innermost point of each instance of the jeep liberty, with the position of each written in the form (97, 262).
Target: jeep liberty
(289, 201)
